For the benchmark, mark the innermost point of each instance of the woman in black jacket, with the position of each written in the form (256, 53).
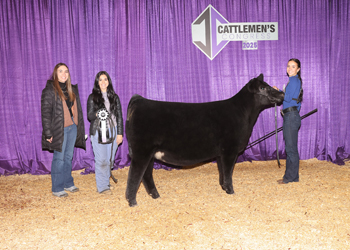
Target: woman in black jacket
(104, 97)
(63, 127)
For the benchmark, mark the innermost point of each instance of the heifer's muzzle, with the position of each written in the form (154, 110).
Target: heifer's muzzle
(273, 95)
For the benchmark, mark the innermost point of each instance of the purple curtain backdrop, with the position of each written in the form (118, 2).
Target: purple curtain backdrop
(146, 46)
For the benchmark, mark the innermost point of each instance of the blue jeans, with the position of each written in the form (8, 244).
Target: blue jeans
(291, 125)
(103, 161)
(61, 167)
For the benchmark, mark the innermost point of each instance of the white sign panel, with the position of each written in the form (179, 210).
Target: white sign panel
(211, 32)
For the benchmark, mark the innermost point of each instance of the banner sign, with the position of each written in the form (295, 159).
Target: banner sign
(211, 32)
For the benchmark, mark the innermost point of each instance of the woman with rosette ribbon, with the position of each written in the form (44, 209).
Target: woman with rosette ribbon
(103, 101)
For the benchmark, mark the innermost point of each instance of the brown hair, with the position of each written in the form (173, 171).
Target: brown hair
(301, 93)
(57, 87)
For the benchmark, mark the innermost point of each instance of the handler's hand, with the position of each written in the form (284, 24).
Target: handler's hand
(49, 140)
(119, 139)
(275, 88)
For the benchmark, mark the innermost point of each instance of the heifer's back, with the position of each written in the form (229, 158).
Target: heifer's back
(189, 133)
(182, 133)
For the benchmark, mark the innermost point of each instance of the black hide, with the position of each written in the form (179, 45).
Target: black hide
(183, 134)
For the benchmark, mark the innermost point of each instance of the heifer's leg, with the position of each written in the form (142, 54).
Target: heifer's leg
(221, 176)
(148, 181)
(136, 172)
(227, 163)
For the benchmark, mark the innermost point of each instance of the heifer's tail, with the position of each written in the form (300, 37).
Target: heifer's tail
(131, 108)
(131, 104)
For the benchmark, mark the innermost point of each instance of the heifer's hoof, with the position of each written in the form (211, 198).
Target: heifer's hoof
(132, 203)
(154, 194)
(228, 190)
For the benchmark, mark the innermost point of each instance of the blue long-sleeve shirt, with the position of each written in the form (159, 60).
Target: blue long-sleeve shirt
(292, 91)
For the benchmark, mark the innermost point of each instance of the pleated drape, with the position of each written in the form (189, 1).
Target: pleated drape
(146, 47)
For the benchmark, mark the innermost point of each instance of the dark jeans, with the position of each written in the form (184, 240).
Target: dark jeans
(61, 167)
(291, 125)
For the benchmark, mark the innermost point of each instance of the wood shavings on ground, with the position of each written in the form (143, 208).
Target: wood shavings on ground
(193, 211)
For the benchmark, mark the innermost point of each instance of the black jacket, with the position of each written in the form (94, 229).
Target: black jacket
(92, 109)
(52, 118)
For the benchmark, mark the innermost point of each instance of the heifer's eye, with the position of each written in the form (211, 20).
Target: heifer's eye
(262, 88)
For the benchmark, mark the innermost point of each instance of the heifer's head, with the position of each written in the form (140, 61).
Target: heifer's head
(264, 94)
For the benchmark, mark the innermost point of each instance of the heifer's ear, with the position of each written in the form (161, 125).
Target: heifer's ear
(261, 77)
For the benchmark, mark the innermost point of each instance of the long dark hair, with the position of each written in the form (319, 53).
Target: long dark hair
(300, 97)
(57, 87)
(97, 94)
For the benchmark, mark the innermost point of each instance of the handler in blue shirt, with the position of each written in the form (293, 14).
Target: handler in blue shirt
(292, 121)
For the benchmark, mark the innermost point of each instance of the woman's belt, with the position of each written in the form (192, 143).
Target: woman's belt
(294, 108)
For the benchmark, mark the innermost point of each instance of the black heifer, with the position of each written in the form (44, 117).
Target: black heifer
(183, 134)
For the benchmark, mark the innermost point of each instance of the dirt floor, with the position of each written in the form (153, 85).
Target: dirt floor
(193, 211)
